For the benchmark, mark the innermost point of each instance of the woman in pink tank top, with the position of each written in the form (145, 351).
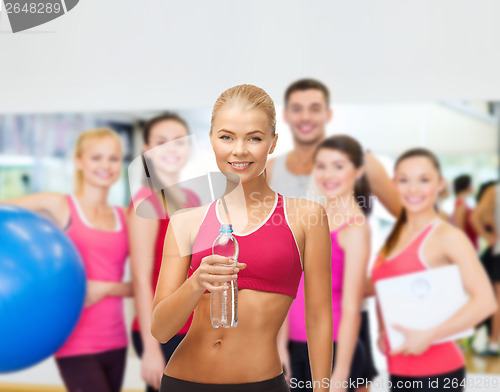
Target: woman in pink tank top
(147, 234)
(93, 357)
(339, 174)
(281, 238)
(421, 240)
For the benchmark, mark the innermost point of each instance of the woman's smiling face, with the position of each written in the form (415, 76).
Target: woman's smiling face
(334, 172)
(168, 146)
(417, 183)
(100, 162)
(242, 140)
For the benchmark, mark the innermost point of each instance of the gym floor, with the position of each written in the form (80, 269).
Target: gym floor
(481, 372)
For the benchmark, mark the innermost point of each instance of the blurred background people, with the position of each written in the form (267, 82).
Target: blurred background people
(165, 152)
(94, 356)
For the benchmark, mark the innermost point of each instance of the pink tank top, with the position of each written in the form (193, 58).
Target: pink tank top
(296, 314)
(101, 326)
(192, 200)
(270, 251)
(439, 358)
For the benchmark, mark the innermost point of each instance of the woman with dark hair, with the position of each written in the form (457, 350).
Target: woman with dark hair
(165, 153)
(420, 241)
(339, 175)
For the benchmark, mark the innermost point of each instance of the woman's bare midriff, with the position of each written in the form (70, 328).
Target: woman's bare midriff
(247, 353)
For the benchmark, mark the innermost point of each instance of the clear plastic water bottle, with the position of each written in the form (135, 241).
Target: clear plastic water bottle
(224, 304)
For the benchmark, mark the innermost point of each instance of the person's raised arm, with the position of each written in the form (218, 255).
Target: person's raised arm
(51, 205)
(356, 245)
(381, 185)
(481, 303)
(484, 208)
(318, 295)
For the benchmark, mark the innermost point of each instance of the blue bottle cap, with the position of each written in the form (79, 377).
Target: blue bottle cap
(226, 228)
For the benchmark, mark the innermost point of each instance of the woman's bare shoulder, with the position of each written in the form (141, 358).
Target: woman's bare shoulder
(183, 228)
(448, 234)
(305, 214)
(301, 207)
(445, 239)
(190, 216)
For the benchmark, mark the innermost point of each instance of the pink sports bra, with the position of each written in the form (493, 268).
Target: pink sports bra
(270, 251)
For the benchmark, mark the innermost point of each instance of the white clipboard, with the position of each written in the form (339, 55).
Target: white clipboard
(421, 300)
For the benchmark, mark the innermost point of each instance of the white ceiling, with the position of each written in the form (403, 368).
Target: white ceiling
(150, 54)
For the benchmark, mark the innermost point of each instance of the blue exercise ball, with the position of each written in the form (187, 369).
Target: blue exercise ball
(42, 288)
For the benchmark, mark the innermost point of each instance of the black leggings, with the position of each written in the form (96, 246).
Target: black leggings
(102, 372)
(370, 371)
(447, 382)
(276, 384)
(166, 348)
(301, 369)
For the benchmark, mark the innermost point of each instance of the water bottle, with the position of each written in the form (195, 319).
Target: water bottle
(224, 304)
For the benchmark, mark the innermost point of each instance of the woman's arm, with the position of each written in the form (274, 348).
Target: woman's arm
(142, 239)
(355, 240)
(53, 206)
(458, 249)
(485, 207)
(283, 337)
(381, 333)
(122, 289)
(369, 287)
(175, 298)
(97, 290)
(482, 303)
(318, 295)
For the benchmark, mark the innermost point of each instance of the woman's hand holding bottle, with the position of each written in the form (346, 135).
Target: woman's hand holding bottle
(215, 270)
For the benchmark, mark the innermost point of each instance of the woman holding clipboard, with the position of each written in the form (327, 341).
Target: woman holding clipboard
(419, 241)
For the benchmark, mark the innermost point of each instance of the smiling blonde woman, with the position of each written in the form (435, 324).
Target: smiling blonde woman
(282, 239)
